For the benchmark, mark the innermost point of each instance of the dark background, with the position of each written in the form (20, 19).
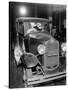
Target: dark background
(57, 12)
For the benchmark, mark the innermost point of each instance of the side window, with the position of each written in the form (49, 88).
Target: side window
(21, 28)
(26, 27)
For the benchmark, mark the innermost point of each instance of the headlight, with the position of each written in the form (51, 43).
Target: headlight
(41, 49)
(17, 54)
(63, 47)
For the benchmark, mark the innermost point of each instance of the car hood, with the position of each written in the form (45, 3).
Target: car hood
(40, 35)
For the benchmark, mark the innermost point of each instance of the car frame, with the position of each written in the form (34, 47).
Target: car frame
(50, 58)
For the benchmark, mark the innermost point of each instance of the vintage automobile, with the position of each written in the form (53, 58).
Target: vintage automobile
(36, 50)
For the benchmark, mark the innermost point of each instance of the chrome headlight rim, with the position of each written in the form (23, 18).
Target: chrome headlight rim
(63, 46)
(41, 49)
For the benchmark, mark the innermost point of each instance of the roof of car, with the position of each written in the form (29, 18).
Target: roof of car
(31, 19)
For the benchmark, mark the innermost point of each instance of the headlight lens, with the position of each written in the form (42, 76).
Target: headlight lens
(63, 47)
(17, 53)
(41, 49)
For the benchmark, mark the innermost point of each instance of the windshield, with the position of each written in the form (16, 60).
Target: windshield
(35, 27)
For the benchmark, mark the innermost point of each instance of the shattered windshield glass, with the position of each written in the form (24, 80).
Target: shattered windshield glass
(35, 27)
